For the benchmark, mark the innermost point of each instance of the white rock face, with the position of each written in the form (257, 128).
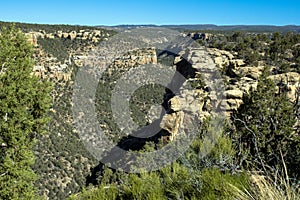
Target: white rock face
(233, 94)
(202, 103)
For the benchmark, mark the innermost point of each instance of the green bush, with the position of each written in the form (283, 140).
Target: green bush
(218, 185)
(188, 178)
(264, 128)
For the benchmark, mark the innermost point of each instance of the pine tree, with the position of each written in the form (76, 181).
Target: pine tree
(24, 102)
(264, 126)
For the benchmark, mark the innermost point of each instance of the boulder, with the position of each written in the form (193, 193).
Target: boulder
(38, 68)
(292, 92)
(221, 61)
(251, 72)
(227, 54)
(95, 40)
(290, 77)
(233, 94)
(220, 53)
(237, 62)
(171, 123)
(175, 104)
(247, 84)
(234, 103)
(291, 80)
(230, 104)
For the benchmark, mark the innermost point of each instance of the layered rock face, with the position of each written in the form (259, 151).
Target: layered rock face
(241, 78)
(49, 67)
(205, 92)
(93, 35)
(135, 58)
(199, 64)
(63, 163)
(224, 97)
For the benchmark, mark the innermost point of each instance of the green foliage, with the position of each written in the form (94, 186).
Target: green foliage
(188, 178)
(24, 102)
(175, 181)
(272, 48)
(26, 27)
(105, 192)
(217, 185)
(264, 126)
(142, 100)
(102, 102)
(197, 82)
(193, 177)
(180, 182)
(56, 47)
(211, 148)
(61, 47)
(61, 152)
(251, 57)
(143, 186)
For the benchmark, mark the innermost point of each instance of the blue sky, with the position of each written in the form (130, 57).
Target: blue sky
(111, 12)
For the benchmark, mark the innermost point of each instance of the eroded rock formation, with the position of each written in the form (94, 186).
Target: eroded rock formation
(239, 82)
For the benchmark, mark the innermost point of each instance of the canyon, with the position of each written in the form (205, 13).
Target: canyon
(68, 164)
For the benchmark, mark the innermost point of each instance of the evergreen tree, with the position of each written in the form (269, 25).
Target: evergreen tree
(264, 126)
(24, 102)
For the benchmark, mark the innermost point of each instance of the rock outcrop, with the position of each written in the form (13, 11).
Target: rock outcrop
(171, 123)
(135, 58)
(240, 82)
(190, 103)
(93, 35)
(291, 81)
(219, 93)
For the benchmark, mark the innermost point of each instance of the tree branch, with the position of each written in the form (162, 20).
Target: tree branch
(255, 141)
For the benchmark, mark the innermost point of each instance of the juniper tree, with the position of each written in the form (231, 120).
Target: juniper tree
(24, 101)
(264, 127)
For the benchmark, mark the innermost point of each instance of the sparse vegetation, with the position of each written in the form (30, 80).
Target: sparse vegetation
(261, 134)
(278, 49)
(49, 28)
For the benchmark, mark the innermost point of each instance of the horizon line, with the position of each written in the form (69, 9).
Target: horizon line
(150, 24)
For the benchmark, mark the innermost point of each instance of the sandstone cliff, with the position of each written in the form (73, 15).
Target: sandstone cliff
(68, 163)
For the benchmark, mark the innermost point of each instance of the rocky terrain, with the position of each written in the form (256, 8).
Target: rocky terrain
(64, 165)
(243, 79)
(214, 28)
(92, 35)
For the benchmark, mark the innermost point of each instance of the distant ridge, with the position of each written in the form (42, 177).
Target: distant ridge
(186, 27)
(212, 27)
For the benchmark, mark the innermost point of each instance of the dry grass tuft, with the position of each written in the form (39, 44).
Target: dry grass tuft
(265, 188)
